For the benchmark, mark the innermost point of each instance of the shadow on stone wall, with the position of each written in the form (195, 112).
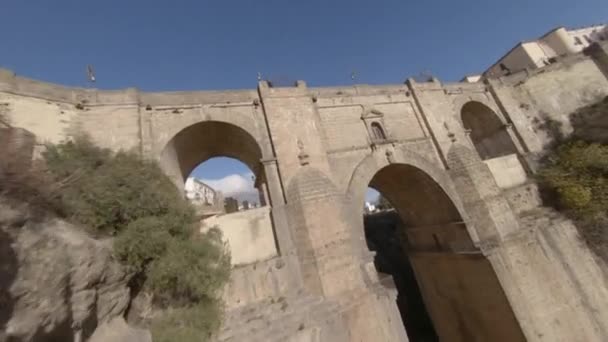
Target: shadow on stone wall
(8, 273)
(551, 127)
(589, 125)
(383, 237)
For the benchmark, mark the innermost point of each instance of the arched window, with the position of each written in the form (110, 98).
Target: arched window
(377, 132)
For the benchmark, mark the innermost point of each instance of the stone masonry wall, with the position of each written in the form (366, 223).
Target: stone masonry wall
(531, 99)
(317, 153)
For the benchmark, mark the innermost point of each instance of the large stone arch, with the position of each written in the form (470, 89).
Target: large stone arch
(458, 285)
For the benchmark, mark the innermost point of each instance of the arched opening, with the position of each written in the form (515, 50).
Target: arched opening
(447, 290)
(487, 132)
(197, 143)
(377, 132)
(218, 166)
(223, 185)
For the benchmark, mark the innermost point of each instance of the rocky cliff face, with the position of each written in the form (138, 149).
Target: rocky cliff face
(56, 282)
(590, 122)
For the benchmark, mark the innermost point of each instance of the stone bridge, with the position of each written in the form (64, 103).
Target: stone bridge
(454, 159)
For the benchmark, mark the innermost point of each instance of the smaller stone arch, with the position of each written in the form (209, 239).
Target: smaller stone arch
(487, 132)
(164, 128)
(201, 141)
(207, 139)
(461, 100)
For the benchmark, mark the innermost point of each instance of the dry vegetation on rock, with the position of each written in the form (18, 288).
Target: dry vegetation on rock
(574, 175)
(128, 200)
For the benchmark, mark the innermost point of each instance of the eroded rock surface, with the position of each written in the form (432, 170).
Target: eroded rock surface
(117, 330)
(57, 283)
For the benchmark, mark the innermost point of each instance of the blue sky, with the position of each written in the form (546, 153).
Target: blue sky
(181, 44)
(188, 44)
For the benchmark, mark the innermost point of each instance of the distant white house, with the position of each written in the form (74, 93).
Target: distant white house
(199, 192)
(207, 200)
(370, 208)
(471, 78)
(542, 51)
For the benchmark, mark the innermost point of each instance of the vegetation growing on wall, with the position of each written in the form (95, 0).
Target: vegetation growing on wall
(129, 198)
(575, 176)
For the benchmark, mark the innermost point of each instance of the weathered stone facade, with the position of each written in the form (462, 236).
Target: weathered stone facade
(454, 159)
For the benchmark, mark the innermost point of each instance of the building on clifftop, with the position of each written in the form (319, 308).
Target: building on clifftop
(540, 52)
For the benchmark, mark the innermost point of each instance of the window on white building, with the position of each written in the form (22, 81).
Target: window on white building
(578, 41)
(588, 39)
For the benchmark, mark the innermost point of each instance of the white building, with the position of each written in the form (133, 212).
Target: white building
(543, 51)
(369, 208)
(200, 193)
(471, 78)
(206, 200)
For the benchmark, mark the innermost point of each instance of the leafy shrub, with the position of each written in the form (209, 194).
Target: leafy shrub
(575, 176)
(143, 241)
(575, 196)
(187, 324)
(191, 270)
(109, 191)
(124, 195)
(576, 173)
(146, 239)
